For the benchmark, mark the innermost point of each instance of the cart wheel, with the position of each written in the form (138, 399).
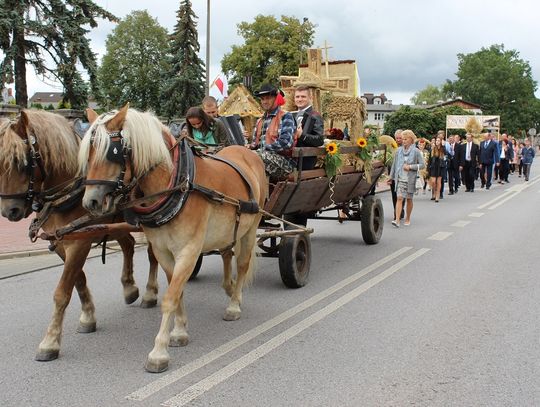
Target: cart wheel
(196, 268)
(294, 260)
(372, 219)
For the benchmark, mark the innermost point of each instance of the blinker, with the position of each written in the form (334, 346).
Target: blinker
(115, 151)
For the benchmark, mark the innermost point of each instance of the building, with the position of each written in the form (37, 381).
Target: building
(46, 98)
(378, 108)
(470, 106)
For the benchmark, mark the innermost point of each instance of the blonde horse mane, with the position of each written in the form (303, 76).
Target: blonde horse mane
(142, 132)
(57, 143)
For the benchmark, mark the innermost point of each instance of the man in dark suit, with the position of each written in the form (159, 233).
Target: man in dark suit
(452, 149)
(489, 155)
(309, 124)
(468, 161)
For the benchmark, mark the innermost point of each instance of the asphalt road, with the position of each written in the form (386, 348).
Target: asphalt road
(441, 313)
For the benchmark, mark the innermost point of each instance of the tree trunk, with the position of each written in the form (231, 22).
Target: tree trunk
(21, 92)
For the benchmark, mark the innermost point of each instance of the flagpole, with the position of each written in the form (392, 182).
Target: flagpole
(207, 47)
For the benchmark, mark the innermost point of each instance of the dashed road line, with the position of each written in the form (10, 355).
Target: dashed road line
(476, 214)
(461, 223)
(440, 235)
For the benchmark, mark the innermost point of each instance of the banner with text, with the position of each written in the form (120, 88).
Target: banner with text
(459, 121)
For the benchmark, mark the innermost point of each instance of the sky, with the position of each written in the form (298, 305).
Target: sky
(399, 46)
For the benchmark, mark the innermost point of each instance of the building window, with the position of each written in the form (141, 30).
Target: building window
(379, 116)
(343, 84)
(376, 101)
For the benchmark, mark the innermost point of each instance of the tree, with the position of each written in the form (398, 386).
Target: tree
(431, 95)
(134, 59)
(501, 83)
(184, 80)
(271, 48)
(50, 36)
(423, 122)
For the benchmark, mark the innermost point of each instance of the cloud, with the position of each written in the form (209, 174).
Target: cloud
(400, 47)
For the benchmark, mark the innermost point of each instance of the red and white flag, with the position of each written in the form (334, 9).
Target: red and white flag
(219, 87)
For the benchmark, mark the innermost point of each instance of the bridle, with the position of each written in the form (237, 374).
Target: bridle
(33, 163)
(118, 153)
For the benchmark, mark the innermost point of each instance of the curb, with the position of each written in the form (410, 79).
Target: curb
(139, 240)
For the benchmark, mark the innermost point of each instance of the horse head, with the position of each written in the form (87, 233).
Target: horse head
(119, 149)
(19, 171)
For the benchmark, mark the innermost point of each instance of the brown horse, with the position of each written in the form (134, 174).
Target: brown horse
(203, 223)
(38, 157)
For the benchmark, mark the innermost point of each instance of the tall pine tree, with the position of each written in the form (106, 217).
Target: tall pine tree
(183, 83)
(50, 36)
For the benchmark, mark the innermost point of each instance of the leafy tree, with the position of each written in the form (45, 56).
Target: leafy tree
(271, 48)
(431, 95)
(131, 67)
(501, 83)
(184, 80)
(50, 36)
(423, 122)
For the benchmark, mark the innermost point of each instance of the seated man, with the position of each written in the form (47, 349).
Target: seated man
(273, 135)
(310, 125)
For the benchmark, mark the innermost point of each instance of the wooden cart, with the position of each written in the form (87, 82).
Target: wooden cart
(310, 194)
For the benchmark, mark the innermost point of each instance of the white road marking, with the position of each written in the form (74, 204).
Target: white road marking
(495, 199)
(199, 388)
(440, 235)
(155, 386)
(461, 223)
(476, 214)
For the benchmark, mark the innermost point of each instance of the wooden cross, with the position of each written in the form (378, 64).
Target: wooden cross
(326, 48)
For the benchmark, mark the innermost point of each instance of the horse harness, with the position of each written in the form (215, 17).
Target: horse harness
(174, 198)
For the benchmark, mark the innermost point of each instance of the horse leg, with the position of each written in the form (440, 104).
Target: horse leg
(245, 263)
(228, 281)
(179, 334)
(149, 299)
(131, 291)
(158, 358)
(72, 275)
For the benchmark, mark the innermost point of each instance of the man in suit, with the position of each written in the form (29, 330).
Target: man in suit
(452, 149)
(468, 161)
(309, 124)
(489, 155)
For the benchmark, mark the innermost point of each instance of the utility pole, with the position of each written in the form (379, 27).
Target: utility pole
(207, 47)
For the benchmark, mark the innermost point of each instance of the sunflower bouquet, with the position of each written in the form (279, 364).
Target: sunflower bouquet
(332, 159)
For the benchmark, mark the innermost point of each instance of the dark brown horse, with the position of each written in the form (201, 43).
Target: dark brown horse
(202, 225)
(38, 158)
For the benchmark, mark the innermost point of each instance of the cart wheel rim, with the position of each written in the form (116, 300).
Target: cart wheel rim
(301, 257)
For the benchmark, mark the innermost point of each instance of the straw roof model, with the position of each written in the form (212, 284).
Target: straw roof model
(240, 102)
(347, 109)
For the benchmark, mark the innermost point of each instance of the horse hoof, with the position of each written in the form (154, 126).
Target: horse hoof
(156, 367)
(148, 303)
(132, 297)
(86, 328)
(178, 342)
(47, 355)
(231, 315)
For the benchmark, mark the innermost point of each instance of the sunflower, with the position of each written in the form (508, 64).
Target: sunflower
(394, 144)
(332, 148)
(361, 142)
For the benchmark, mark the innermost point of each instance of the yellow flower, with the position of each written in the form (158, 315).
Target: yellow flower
(394, 144)
(361, 142)
(332, 148)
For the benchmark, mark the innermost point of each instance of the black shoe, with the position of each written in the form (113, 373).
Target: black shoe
(433, 198)
(451, 193)
(487, 187)
(467, 190)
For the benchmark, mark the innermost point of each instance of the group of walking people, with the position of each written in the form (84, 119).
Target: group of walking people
(420, 163)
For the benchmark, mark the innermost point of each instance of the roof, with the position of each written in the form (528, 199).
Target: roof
(240, 102)
(344, 61)
(455, 102)
(370, 97)
(46, 97)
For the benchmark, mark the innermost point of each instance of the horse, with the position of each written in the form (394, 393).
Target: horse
(209, 219)
(38, 160)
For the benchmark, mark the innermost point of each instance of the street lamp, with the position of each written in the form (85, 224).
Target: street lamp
(207, 47)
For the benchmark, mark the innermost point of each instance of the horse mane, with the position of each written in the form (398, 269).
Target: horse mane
(57, 143)
(142, 132)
